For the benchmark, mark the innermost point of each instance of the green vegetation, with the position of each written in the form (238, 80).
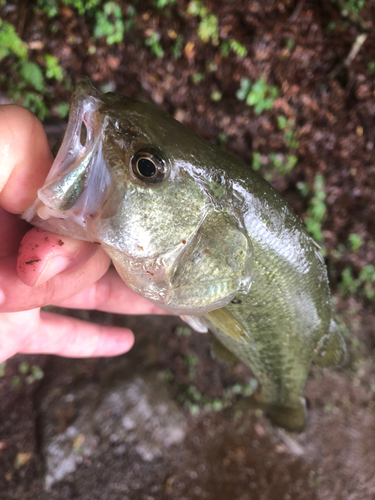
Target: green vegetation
(176, 49)
(193, 400)
(216, 96)
(355, 242)
(288, 126)
(2, 368)
(32, 373)
(32, 77)
(258, 94)
(354, 6)
(280, 162)
(160, 4)
(110, 23)
(16, 382)
(183, 331)
(51, 7)
(283, 164)
(208, 29)
(152, 41)
(198, 78)
(10, 43)
(236, 47)
(317, 210)
(191, 361)
(364, 284)
(30, 85)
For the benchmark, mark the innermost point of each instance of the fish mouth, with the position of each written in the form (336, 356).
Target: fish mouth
(79, 180)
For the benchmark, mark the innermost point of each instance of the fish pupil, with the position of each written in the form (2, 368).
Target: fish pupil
(146, 167)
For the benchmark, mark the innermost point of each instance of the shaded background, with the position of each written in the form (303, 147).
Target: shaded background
(288, 87)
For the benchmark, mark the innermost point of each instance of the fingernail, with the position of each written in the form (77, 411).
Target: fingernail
(54, 265)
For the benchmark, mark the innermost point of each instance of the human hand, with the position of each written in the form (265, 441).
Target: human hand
(50, 269)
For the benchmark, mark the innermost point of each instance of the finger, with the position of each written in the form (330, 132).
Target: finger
(75, 338)
(110, 294)
(12, 229)
(25, 158)
(16, 296)
(42, 255)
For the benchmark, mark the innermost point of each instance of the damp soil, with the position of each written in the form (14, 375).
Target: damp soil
(231, 452)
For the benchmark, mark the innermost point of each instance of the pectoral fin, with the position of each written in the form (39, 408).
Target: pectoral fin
(228, 324)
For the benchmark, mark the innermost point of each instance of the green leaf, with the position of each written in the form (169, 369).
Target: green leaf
(109, 23)
(282, 122)
(53, 69)
(10, 42)
(154, 44)
(33, 75)
(238, 48)
(355, 242)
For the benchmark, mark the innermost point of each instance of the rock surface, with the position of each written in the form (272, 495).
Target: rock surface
(136, 415)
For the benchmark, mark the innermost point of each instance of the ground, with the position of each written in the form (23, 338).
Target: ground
(225, 449)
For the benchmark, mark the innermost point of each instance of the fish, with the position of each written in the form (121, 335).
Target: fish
(197, 232)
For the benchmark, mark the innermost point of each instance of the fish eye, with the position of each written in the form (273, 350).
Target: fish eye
(149, 166)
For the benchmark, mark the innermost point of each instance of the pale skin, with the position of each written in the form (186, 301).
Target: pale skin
(39, 268)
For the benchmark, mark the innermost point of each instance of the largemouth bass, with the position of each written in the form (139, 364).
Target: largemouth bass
(200, 234)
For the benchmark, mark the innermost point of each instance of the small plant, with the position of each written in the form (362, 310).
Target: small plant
(258, 94)
(10, 43)
(303, 188)
(109, 23)
(257, 160)
(27, 84)
(198, 78)
(289, 44)
(62, 110)
(208, 29)
(183, 331)
(216, 96)
(51, 7)
(53, 68)
(364, 283)
(154, 44)
(371, 67)
(284, 164)
(160, 4)
(236, 47)
(177, 47)
(354, 6)
(82, 6)
(223, 138)
(2, 368)
(16, 382)
(355, 242)
(32, 373)
(316, 211)
(287, 125)
(191, 361)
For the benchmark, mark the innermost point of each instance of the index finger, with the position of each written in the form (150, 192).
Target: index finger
(25, 158)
